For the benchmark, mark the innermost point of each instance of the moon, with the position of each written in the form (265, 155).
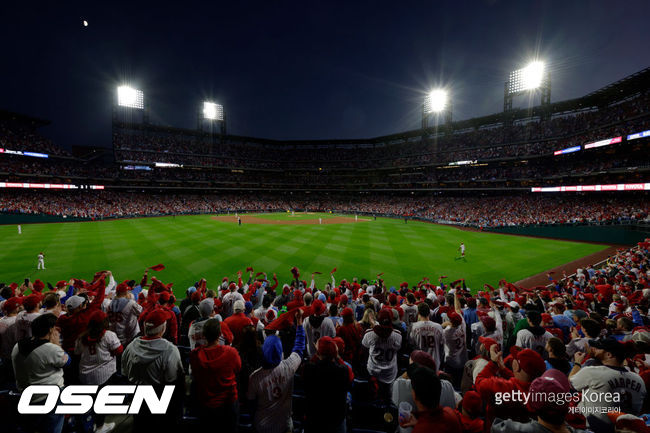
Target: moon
(85, 23)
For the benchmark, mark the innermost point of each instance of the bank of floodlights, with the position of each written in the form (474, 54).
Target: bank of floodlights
(532, 79)
(130, 97)
(212, 111)
(529, 78)
(435, 101)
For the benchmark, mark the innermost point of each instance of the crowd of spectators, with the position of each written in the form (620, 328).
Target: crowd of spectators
(21, 135)
(257, 354)
(529, 139)
(625, 163)
(477, 211)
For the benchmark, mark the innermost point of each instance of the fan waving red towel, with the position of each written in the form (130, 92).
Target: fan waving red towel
(157, 268)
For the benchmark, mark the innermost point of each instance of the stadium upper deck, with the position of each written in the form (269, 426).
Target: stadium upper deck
(473, 154)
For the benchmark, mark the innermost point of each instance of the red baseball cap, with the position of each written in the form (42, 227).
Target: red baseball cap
(472, 403)
(454, 318)
(30, 302)
(156, 318)
(12, 303)
(424, 359)
(531, 362)
(551, 382)
(347, 311)
(489, 323)
(97, 316)
(318, 307)
(487, 342)
(327, 347)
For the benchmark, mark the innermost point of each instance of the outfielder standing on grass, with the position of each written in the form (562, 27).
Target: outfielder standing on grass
(461, 248)
(41, 261)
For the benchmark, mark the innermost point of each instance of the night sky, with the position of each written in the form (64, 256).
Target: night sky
(303, 69)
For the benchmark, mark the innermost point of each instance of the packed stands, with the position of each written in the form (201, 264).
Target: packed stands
(343, 355)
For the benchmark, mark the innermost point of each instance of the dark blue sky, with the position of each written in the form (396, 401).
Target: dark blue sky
(305, 69)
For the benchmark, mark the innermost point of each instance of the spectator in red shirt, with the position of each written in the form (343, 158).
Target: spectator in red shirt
(238, 321)
(469, 412)
(495, 377)
(214, 370)
(429, 416)
(351, 333)
(76, 321)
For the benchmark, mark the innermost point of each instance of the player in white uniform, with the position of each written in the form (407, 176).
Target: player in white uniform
(20, 230)
(383, 343)
(461, 248)
(41, 261)
(427, 336)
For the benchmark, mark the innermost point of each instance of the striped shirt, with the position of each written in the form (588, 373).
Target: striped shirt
(97, 362)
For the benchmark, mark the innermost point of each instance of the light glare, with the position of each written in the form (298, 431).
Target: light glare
(212, 111)
(436, 101)
(130, 97)
(528, 78)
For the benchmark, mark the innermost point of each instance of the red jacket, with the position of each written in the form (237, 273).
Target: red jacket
(215, 372)
(470, 425)
(439, 420)
(72, 325)
(171, 331)
(488, 383)
(351, 335)
(237, 322)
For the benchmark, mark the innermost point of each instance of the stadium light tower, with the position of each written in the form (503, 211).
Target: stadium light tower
(209, 114)
(129, 105)
(212, 111)
(129, 97)
(436, 103)
(528, 79)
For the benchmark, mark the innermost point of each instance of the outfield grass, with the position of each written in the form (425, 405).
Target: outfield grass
(192, 247)
(287, 216)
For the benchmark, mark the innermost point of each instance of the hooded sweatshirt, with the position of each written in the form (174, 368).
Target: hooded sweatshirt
(149, 361)
(315, 328)
(534, 338)
(38, 362)
(215, 370)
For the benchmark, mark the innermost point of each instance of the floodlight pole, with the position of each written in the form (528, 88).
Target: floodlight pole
(507, 97)
(425, 117)
(546, 95)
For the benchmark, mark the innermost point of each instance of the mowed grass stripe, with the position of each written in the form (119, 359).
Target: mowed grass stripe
(196, 246)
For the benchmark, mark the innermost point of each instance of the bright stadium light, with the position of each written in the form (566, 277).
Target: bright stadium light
(212, 111)
(130, 97)
(528, 78)
(435, 101)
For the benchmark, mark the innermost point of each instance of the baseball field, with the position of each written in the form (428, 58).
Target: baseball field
(211, 246)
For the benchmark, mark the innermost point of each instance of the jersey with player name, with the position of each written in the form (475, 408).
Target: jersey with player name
(428, 337)
(123, 315)
(272, 388)
(600, 383)
(382, 361)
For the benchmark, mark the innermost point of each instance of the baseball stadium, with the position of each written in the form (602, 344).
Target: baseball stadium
(408, 281)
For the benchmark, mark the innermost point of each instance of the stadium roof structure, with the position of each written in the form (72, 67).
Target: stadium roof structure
(610, 94)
